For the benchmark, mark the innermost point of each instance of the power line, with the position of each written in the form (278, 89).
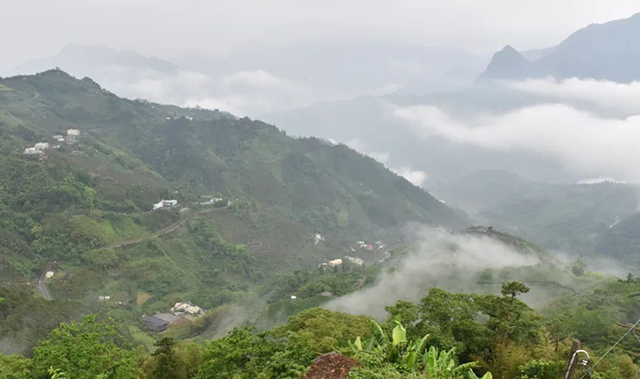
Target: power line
(611, 348)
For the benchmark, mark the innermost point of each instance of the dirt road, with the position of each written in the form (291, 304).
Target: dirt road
(41, 285)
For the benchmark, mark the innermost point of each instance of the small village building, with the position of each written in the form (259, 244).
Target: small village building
(335, 262)
(165, 204)
(73, 132)
(318, 238)
(48, 275)
(355, 260)
(41, 145)
(104, 298)
(188, 308)
(33, 151)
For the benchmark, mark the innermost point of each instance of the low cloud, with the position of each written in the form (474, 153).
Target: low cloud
(440, 259)
(622, 99)
(416, 177)
(256, 79)
(242, 93)
(589, 144)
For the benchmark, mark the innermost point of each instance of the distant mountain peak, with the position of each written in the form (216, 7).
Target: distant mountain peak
(506, 63)
(82, 60)
(607, 51)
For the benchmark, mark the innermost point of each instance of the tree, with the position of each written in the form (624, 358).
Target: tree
(85, 350)
(579, 268)
(14, 367)
(167, 364)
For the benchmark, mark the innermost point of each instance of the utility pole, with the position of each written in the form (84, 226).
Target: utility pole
(571, 362)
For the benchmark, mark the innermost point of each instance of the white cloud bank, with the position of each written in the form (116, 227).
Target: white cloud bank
(441, 259)
(606, 96)
(589, 144)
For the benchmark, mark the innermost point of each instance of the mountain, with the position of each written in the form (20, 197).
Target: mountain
(506, 64)
(81, 61)
(84, 208)
(573, 218)
(606, 51)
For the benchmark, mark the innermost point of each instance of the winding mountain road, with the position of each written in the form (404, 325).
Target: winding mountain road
(41, 285)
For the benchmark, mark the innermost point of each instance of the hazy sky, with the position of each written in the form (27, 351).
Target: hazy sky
(166, 28)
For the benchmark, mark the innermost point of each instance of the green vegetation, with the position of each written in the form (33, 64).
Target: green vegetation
(84, 211)
(445, 335)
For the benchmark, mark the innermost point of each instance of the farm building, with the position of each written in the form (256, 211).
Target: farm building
(155, 324)
(165, 204)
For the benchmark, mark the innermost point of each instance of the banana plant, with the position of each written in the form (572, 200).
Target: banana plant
(442, 364)
(395, 350)
(472, 375)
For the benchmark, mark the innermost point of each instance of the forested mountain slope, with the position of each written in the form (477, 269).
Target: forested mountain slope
(292, 204)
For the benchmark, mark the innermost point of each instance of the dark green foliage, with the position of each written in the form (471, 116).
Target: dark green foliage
(88, 350)
(167, 365)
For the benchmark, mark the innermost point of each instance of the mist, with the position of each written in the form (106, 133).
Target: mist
(584, 142)
(439, 259)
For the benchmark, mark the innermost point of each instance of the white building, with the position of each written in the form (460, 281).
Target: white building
(355, 260)
(33, 151)
(104, 298)
(165, 204)
(73, 132)
(49, 275)
(41, 145)
(187, 308)
(335, 262)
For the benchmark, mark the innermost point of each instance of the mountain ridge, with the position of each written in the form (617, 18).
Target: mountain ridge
(607, 51)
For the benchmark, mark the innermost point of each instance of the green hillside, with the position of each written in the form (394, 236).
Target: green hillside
(83, 209)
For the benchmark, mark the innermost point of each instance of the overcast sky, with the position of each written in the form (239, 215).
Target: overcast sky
(168, 28)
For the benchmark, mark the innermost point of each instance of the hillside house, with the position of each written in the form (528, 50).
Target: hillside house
(355, 260)
(318, 238)
(32, 151)
(165, 204)
(335, 262)
(58, 137)
(209, 201)
(41, 145)
(104, 298)
(73, 132)
(188, 308)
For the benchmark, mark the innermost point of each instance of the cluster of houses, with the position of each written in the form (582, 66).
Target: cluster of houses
(39, 148)
(335, 263)
(362, 245)
(164, 204)
(186, 308)
(180, 313)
